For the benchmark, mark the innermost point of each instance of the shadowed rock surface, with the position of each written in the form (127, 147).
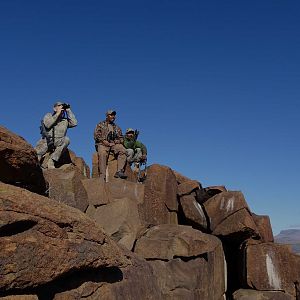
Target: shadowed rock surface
(243, 294)
(188, 264)
(19, 164)
(41, 240)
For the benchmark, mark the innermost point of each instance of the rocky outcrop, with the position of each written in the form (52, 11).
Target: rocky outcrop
(271, 267)
(42, 240)
(229, 216)
(188, 264)
(168, 238)
(19, 164)
(264, 227)
(160, 204)
(65, 186)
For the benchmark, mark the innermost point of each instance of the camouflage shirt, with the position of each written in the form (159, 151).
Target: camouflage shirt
(102, 130)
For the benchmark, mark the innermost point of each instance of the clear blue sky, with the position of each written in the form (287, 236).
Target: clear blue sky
(213, 86)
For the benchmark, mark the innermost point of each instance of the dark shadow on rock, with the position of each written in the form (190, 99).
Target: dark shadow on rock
(69, 281)
(16, 227)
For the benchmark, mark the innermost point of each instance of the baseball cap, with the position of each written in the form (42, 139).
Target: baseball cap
(58, 103)
(129, 130)
(111, 112)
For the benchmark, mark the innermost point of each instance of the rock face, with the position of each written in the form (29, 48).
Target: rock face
(168, 238)
(160, 204)
(18, 163)
(65, 186)
(271, 267)
(41, 240)
(243, 294)
(188, 264)
(230, 215)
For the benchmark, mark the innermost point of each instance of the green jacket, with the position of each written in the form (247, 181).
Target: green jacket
(133, 144)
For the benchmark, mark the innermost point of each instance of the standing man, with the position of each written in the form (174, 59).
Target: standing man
(108, 138)
(54, 129)
(135, 150)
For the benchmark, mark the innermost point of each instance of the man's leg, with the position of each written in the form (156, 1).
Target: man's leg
(130, 155)
(120, 151)
(102, 160)
(138, 155)
(61, 144)
(41, 148)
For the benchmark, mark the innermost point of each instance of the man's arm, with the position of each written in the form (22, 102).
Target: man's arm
(49, 120)
(99, 135)
(120, 137)
(71, 118)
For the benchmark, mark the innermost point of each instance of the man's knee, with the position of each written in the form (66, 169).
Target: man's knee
(66, 141)
(129, 152)
(102, 150)
(119, 149)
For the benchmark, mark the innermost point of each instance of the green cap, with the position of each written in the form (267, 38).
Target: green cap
(129, 130)
(111, 112)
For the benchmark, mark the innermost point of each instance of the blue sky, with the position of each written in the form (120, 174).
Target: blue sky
(213, 86)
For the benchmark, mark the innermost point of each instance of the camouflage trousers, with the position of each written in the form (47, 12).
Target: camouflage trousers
(60, 144)
(103, 152)
(134, 155)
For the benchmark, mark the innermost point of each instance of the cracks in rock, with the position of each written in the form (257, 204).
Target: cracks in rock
(16, 227)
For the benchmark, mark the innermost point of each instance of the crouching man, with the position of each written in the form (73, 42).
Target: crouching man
(108, 138)
(135, 150)
(54, 129)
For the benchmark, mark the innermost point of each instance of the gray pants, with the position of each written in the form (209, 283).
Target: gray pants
(134, 155)
(61, 144)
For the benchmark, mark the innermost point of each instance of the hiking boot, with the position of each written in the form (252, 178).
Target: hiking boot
(120, 174)
(50, 164)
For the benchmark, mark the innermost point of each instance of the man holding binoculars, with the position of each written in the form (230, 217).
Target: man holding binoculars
(53, 130)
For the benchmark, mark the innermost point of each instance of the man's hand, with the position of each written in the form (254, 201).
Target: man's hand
(106, 143)
(117, 141)
(59, 109)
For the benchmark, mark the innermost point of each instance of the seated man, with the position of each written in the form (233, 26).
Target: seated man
(135, 150)
(108, 138)
(54, 129)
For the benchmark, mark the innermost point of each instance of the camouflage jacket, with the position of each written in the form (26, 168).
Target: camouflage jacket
(101, 132)
(57, 125)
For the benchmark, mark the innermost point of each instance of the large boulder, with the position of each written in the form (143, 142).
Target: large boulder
(136, 282)
(193, 212)
(19, 164)
(65, 186)
(264, 227)
(229, 215)
(69, 159)
(114, 205)
(111, 168)
(42, 240)
(188, 187)
(271, 267)
(160, 204)
(188, 264)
